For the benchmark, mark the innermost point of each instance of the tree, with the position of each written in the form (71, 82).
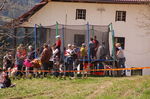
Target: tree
(2, 5)
(11, 9)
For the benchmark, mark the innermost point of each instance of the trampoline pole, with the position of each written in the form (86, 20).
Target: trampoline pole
(113, 41)
(35, 39)
(88, 37)
(63, 44)
(113, 47)
(56, 28)
(92, 31)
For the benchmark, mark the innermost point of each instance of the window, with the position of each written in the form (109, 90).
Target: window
(136, 72)
(79, 39)
(120, 40)
(81, 14)
(120, 16)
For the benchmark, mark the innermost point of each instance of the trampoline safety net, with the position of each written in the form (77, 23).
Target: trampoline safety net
(70, 34)
(78, 34)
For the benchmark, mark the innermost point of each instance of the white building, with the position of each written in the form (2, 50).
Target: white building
(127, 17)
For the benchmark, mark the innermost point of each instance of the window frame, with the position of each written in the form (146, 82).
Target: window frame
(136, 72)
(80, 14)
(121, 16)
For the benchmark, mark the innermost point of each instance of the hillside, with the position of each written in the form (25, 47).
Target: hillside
(14, 8)
(136, 87)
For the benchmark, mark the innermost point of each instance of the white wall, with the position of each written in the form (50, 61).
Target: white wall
(137, 48)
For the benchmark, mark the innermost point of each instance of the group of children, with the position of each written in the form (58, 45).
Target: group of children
(52, 59)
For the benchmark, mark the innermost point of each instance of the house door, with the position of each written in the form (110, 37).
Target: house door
(120, 40)
(79, 39)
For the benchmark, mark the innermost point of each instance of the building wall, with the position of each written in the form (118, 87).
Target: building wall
(137, 48)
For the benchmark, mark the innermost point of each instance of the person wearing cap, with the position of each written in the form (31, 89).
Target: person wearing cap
(83, 51)
(55, 59)
(58, 46)
(58, 41)
(83, 55)
(120, 57)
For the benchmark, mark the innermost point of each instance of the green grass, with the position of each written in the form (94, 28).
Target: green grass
(137, 87)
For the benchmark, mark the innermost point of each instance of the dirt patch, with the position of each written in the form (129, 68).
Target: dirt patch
(100, 89)
(127, 93)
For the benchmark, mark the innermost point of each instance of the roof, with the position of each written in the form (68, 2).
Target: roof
(108, 1)
(38, 6)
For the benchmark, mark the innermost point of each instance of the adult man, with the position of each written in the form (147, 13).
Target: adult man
(100, 54)
(96, 43)
(45, 57)
(91, 48)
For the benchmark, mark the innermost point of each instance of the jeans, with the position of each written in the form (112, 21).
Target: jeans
(69, 66)
(2, 85)
(45, 67)
(122, 64)
(19, 72)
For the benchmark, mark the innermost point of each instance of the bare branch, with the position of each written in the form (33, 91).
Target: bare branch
(2, 6)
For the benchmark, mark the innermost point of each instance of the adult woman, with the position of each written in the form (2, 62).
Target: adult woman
(20, 56)
(120, 57)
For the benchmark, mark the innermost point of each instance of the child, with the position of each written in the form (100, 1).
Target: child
(4, 80)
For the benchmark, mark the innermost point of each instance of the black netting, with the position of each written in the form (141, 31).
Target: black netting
(70, 34)
(77, 34)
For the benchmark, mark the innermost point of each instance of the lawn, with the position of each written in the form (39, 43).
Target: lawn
(136, 87)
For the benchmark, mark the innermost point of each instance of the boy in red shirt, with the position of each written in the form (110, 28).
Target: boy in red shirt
(58, 41)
